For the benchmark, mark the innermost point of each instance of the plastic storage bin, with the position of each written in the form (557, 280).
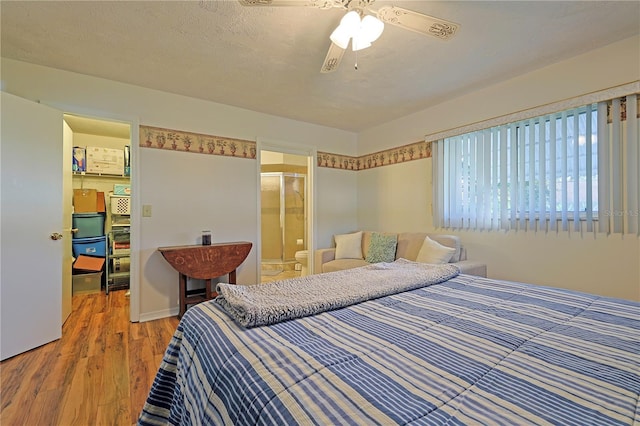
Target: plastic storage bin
(120, 205)
(88, 225)
(87, 283)
(92, 246)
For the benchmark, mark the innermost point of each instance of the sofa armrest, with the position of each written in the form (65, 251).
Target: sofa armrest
(323, 256)
(472, 267)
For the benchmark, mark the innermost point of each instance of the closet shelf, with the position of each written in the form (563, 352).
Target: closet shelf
(86, 174)
(119, 256)
(120, 232)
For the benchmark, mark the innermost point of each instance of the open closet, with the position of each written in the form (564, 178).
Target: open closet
(101, 200)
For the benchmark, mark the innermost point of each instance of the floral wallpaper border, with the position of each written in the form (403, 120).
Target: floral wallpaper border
(401, 154)
(623, 109)
(175, 140)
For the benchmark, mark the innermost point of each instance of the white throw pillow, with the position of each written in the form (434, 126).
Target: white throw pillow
(349, 246)
(434, 252)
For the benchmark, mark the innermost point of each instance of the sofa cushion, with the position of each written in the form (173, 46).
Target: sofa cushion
(349, 246)
(409, 244)
(452, 241)
(472, 267)
(434, 252)
(341, 264)
(382, 248)
(366, 241)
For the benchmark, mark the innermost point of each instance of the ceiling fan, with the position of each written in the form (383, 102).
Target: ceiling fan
(362, 28)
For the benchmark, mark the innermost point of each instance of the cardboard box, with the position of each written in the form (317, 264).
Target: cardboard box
(106, 161)
(88, 201)
(88, 263)
(85, 201)
(121, 189)
(101, 205)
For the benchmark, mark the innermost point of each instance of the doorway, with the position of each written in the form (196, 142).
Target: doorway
(37, 223)
(102, 164)
(286, 211)
(283, 220)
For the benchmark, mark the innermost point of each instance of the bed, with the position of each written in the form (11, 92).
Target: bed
(455, 349)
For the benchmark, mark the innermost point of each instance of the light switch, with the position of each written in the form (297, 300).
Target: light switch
(146, 210)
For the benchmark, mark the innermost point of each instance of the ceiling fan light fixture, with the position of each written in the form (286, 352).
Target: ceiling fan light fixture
(371, 28)
(363, 32)
(360, 42)
(341, 36)
(351, 22)
(348, 28)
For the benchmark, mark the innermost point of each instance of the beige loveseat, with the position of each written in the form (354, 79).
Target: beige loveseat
(409, 244)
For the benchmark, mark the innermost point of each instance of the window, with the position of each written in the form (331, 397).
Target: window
(542, 173)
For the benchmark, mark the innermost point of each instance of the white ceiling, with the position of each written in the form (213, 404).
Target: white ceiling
(268, 59)
(92, 126)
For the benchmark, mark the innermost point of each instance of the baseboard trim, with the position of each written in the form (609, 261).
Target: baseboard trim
(165, 313)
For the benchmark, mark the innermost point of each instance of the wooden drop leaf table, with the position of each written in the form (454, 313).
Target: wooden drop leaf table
(204, 263)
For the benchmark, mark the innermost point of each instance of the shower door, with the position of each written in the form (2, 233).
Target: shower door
(294, 217)
(283, 216)
(270, 188)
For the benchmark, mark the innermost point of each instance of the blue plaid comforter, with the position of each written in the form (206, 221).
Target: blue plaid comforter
(467, 351)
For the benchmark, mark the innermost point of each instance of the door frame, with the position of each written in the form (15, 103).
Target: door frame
(265, 144)
(134, 125)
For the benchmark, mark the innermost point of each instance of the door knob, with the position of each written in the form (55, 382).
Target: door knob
(56, 236)
(74, 230)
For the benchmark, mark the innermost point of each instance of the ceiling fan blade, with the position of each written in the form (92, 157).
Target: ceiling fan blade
(320, 4)
(418, 22)
(334, 56)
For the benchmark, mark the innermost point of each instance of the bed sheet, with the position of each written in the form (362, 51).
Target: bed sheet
(470, 350)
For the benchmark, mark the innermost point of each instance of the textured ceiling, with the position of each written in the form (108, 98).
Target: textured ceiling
(268, 59)
(92, 126)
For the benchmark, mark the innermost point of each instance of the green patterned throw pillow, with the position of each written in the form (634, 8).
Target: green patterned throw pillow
(382, 248)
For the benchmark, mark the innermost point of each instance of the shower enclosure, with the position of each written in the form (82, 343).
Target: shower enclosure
(283, 219)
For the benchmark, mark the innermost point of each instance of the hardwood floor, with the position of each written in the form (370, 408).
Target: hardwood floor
(98, 373)
(281, 276)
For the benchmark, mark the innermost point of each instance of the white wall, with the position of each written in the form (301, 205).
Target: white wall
(610, 66)
(336, 204)
(190, 192)
(398, 197)
(596, 264)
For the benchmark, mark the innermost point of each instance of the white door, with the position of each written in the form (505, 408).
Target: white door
(31, 213)
(67, 217)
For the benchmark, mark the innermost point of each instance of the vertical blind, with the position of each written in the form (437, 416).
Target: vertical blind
(619, 162)
(558, 171)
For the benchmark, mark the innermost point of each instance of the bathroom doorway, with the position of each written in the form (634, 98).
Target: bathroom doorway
(284, 218)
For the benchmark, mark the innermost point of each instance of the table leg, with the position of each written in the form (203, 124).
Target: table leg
(232, 277)
(183, 294)
(208, 293)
